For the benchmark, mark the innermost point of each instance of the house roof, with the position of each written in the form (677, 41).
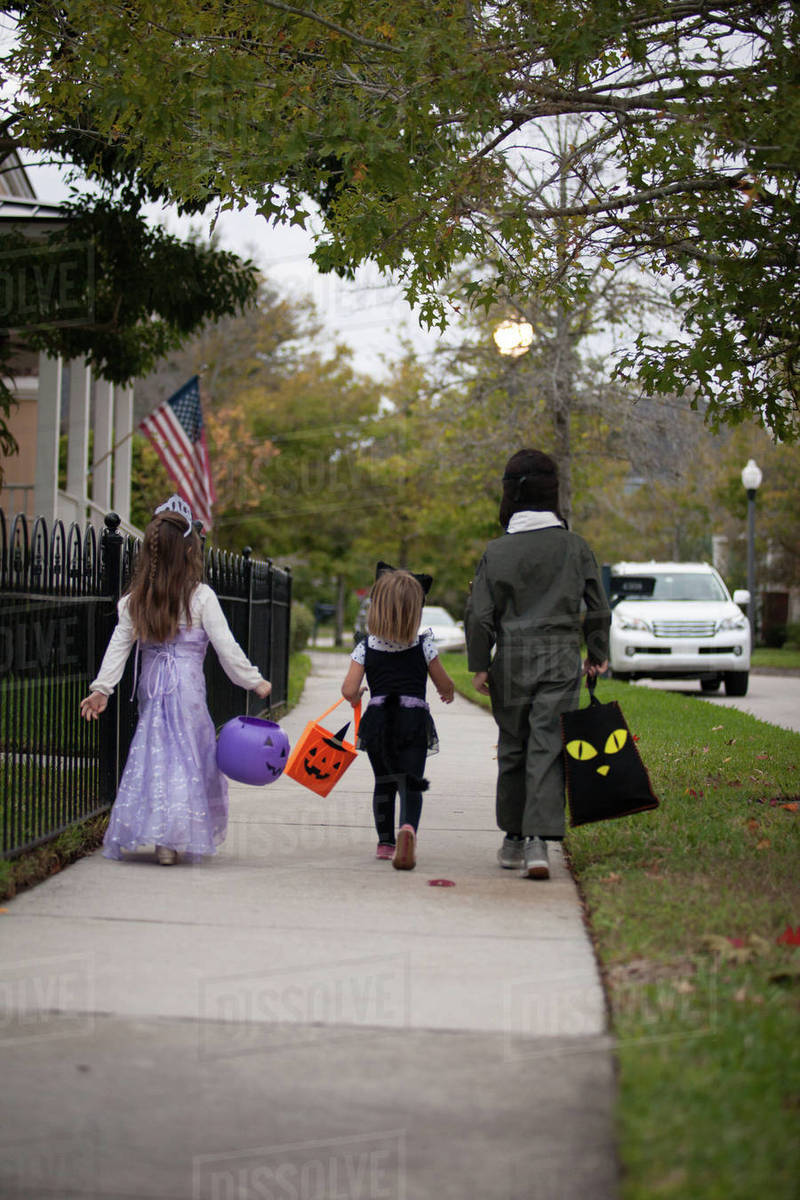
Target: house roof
(23, 209)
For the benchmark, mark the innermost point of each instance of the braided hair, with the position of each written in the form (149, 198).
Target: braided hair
(530, 483)
(168, 570)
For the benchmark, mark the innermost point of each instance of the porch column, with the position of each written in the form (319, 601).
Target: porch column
(123, 428)
(80, 393)
(103, 428)
(48, 425)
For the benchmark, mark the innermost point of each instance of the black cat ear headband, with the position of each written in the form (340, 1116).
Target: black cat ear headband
(425, 581)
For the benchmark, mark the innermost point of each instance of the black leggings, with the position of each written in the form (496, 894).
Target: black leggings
(410, 761)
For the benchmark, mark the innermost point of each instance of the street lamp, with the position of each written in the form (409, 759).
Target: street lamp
(513, 337)
(751, 481)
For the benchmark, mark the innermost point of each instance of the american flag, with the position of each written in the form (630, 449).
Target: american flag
(176, 431)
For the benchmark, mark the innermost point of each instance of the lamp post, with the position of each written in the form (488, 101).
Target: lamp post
(751, 481)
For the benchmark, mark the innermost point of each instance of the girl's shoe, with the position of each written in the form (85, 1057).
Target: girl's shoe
(404, 855)
(385, 850)
(165, 856)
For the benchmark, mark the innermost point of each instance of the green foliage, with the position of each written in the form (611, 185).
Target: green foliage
(422, 132)
(150, 483)
(302, 626)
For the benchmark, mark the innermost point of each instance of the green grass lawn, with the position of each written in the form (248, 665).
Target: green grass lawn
(784, 659)
(686, 906)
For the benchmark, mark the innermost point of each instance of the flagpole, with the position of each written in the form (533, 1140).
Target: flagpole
(116, 446)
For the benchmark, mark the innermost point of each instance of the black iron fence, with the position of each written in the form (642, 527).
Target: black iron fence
(58, 594)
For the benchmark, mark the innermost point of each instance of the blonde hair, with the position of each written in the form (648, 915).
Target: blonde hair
(395, 607)
(168, 570)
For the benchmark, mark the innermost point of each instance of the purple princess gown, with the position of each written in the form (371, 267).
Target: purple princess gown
(171, 792)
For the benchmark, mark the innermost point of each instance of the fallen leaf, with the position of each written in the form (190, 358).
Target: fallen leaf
(441, 883)
(728, 759)
(764, 844)
(684, 987)
(714, 728)
(740, 995)
(706, 749)
(731, 742)
(752, 824)
(790, 937)
(791, 807)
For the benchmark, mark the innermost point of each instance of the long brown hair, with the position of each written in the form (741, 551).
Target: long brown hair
(395, 607)
(169, 568)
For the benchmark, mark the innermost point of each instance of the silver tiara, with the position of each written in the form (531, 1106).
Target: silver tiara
(177, 505)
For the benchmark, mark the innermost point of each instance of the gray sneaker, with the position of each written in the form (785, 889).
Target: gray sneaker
(511, 854)
(536, 865)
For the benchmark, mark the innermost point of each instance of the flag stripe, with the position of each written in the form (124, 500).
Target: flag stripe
(174, 457)
(175, 430)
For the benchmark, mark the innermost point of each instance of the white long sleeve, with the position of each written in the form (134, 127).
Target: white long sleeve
(206, 613)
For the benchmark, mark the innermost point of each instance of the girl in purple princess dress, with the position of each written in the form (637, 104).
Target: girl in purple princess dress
(171, 794)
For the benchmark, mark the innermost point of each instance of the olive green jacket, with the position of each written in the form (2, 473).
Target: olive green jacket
(527, 602)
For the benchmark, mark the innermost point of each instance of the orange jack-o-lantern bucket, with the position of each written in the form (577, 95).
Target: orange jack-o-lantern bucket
(319, 757)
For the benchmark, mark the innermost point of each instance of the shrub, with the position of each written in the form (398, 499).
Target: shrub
(302, 626)
(775, 636)
(793, 635)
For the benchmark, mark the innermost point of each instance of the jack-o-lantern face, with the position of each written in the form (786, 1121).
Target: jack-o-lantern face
(324, 758)
(276, 748)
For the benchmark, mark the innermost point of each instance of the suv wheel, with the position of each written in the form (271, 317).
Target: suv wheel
(736, 683)
(711, 685)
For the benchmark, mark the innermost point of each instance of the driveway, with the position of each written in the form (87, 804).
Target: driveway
(773, 698)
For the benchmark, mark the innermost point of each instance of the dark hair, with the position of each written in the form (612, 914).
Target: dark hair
(530, 483)
(168, 570)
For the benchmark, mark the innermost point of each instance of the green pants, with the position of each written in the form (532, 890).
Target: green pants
(530, 770)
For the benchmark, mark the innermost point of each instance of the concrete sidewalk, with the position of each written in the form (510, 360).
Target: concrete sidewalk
(295, 1020)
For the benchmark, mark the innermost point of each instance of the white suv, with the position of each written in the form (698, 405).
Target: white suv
(678, 621)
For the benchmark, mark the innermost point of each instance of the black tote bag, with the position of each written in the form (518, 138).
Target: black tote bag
(605, 776)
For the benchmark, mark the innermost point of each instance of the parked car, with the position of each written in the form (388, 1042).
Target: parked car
(678, 621)
(448, 634)
(360, 626)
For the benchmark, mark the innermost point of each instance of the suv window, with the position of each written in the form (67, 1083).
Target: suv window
(679, 586)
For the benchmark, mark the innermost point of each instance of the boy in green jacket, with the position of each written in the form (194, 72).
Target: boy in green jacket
(536, 593)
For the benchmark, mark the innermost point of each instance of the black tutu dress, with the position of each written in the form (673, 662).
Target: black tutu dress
(397, 715)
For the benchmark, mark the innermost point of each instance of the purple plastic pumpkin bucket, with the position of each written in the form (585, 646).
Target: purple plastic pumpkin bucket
(252, 750)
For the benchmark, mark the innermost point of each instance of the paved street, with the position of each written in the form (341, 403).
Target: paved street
(296, 1019)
